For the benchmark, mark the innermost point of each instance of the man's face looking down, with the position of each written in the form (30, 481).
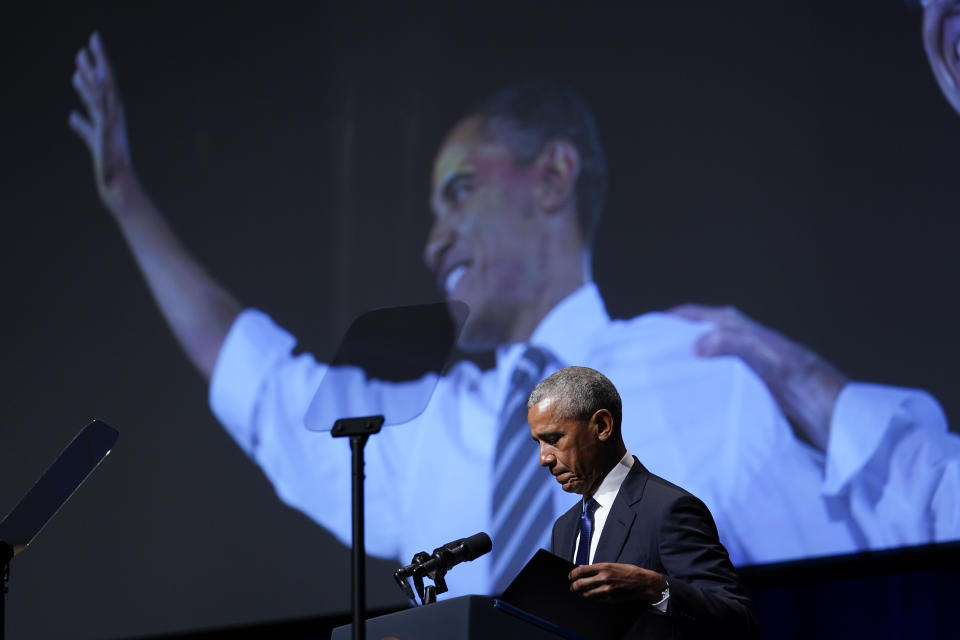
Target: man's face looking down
(571, 449)
(492, 244)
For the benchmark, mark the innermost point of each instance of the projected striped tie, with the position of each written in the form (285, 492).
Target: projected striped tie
(521, 507)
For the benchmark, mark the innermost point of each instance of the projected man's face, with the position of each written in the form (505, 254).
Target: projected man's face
(487, 246)
(941, 40)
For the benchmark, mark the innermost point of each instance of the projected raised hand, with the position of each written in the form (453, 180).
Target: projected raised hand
(198, 310)
(103, 129)
(805, 385)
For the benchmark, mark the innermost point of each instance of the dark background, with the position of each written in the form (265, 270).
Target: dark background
(794, 159)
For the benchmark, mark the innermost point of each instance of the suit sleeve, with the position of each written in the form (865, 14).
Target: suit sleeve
(705, 591)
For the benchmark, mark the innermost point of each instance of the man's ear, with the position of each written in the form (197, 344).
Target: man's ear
(935, 16)
(558, 167)
(602, 421)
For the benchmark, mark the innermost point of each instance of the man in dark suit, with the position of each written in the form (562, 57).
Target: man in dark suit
(635, 536)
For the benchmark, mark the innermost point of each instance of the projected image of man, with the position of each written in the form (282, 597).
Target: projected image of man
(518, 184)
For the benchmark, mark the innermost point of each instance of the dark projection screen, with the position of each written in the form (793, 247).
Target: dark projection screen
(794, 160)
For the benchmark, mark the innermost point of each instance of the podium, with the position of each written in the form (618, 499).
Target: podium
(463, 618)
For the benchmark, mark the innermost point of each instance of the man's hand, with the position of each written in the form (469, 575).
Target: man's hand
(615, 582)
(197, 308)
(804, 385)
(104, 129)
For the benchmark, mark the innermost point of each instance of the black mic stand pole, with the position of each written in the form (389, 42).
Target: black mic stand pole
(358, 430)
(6, 554)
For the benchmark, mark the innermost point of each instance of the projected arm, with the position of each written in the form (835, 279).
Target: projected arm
(198, 310)
(804, 385)
(875, 436)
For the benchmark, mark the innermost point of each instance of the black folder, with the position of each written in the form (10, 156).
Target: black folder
(543, 589)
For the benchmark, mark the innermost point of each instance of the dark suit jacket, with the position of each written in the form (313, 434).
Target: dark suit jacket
(658, 526)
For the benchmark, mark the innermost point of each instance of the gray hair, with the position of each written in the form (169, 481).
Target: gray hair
(580, 392)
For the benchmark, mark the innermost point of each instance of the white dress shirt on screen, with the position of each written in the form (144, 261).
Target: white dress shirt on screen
(890, 475)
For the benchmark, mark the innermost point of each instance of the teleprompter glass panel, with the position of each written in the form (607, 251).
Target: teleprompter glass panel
(401, 353)
(87, 449)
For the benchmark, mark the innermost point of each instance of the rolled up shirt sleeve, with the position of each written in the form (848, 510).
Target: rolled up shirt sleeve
(253, 346)
(864, 417)
(894, 462)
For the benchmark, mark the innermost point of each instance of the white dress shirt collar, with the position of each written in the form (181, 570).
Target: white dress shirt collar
(608, 489)
(583, 309)
(605, 494)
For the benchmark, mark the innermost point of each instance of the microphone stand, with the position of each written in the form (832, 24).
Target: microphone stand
(359, 431)
(416, 570)
(400, 343)
(6, 554)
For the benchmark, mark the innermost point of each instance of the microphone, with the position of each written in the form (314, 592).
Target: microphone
(448, 556)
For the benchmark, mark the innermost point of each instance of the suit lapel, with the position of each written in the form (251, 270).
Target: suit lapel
(622, 515)
(567, 529)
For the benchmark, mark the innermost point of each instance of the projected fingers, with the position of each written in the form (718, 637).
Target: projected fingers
(82, 81)
(82, 128)
(804, 385)
(102, 128)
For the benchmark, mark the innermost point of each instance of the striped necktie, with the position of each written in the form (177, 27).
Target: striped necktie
(522, 506)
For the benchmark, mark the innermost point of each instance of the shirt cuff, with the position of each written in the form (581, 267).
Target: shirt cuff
(252, 346)
(863, 416)
(661, 606)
